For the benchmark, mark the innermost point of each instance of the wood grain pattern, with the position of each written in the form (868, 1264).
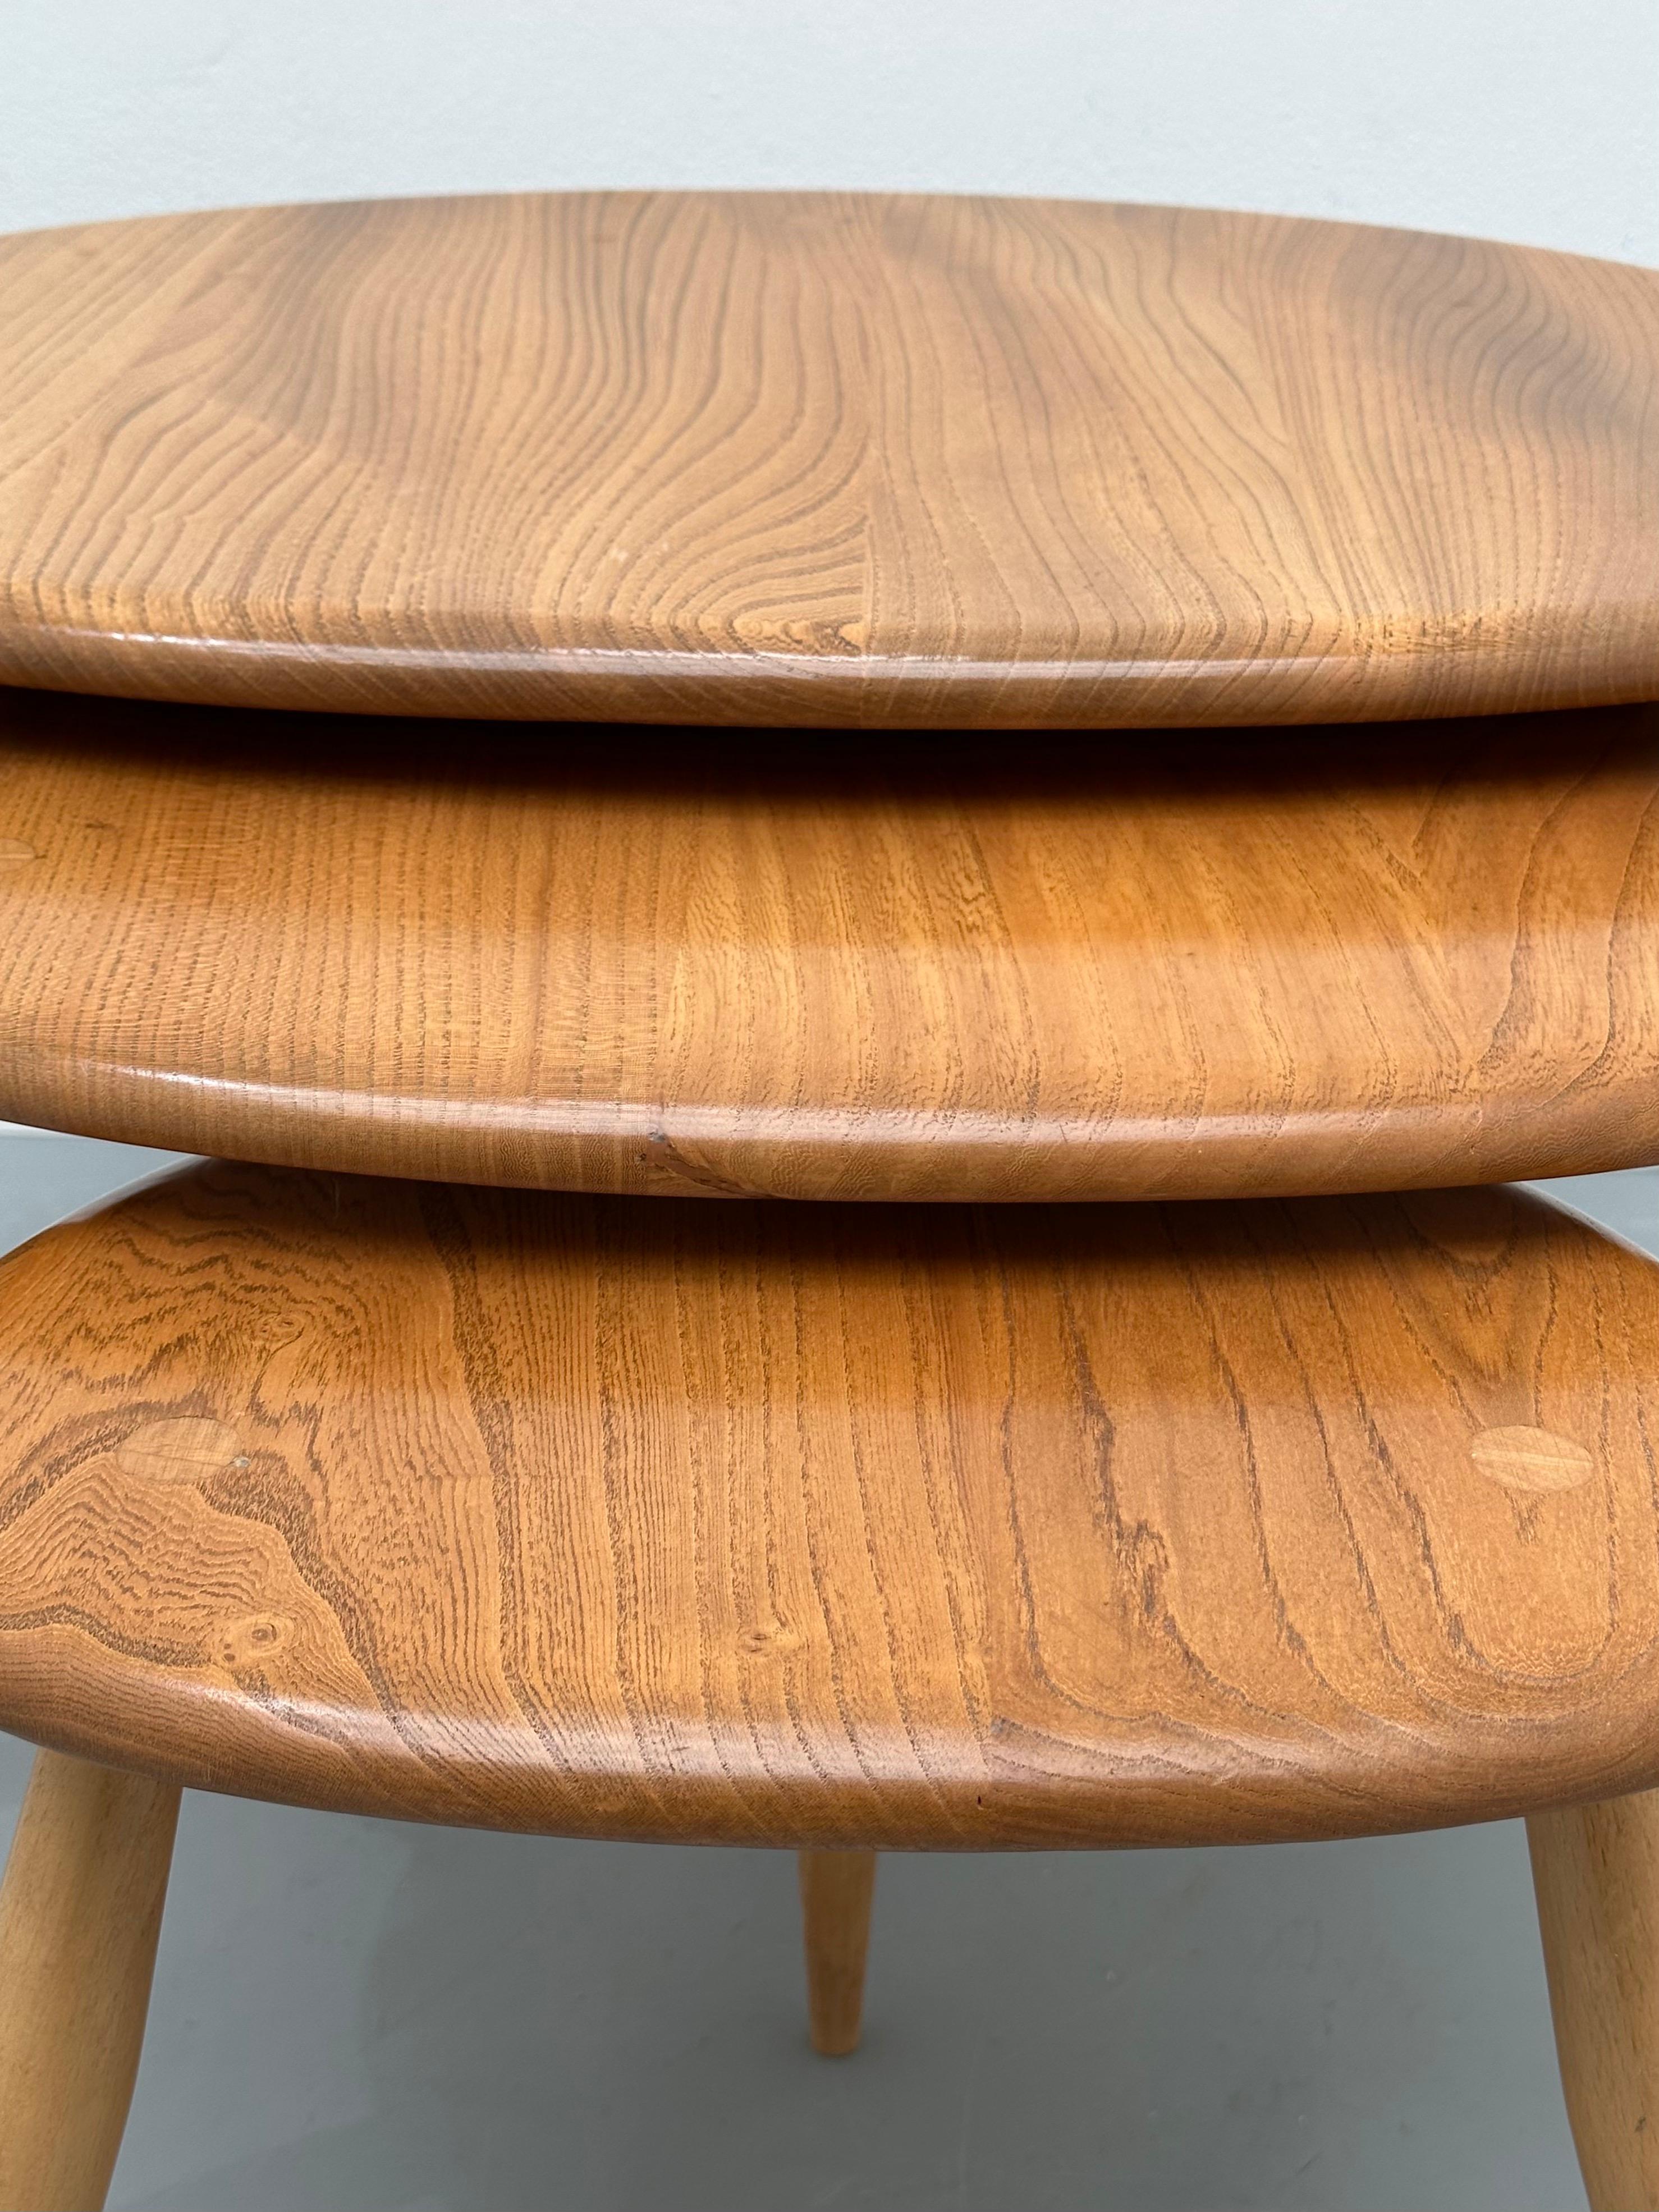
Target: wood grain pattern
(937, 1527)
(1596, 1871)
(836, 976)
(836, 1891)
(80, 1915)
(825, 460)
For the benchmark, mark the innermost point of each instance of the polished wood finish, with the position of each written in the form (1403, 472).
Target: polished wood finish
(1596, 1871)
(764, 457)
(421, 951)
(810, 1525)
(80, 1914)
(837, 1892)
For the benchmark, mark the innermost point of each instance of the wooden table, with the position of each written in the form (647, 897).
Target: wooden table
(354, 1476)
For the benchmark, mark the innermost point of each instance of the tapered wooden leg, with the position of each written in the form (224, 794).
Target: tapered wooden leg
(80, 1914)
(1596, 1872)
(835, 1891)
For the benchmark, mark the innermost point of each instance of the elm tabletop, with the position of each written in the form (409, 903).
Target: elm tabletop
(1367, 959)
(766, 458)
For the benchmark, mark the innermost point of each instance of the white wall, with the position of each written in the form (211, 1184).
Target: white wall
(1529, 120)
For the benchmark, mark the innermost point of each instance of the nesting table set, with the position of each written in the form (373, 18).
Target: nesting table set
(866, 899)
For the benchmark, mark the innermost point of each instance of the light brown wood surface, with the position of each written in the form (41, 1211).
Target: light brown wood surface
(80, 1914)
(812, 1525)
(1596, 1871)
(836, 1890)
(426, 951)
(793, 458)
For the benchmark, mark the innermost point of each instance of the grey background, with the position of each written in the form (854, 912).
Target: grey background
(351, 2014)
(357, 2016)
(1538, 122)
